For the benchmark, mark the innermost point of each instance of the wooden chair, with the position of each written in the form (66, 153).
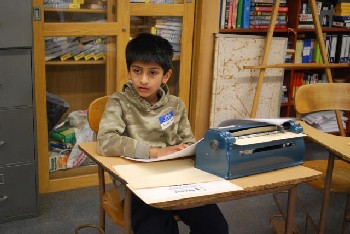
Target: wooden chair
(320, 97)
(110, 202)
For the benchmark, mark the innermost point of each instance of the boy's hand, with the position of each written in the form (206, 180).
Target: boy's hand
(159, 152)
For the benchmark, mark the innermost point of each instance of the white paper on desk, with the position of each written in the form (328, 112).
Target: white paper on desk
(191, 150)
(176, 192)
(163, 173)
(278, 121)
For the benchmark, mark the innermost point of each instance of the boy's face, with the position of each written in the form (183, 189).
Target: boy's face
(147, 78)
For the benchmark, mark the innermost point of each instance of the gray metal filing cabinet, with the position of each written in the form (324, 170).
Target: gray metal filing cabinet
(18, 161)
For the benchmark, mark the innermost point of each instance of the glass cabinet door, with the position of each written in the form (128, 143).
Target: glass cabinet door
(79, 54)
(77, 59)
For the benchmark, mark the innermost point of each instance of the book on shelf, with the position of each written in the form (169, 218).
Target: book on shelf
(64, 1)
(268, 1)
(347, 51)
(234, 13)
(228, 15)
(266, 4)
(267, 8)
(164, 1)
(333, 46)
(337, 49)
(70, 47)
(222, 14)
(298, 51)
(340, 24)
(70, 54)
(268, 17)
(267, 26)
(316, 57)
(246, 14)
(239, 14)
(340, 49)
(327, 42)
(95, 6)
(266, 22)
(342, 9)
(308, 46)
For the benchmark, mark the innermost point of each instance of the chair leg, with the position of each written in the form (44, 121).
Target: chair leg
(346, 219)
(127, 212)
(326, 194)
(101, 185)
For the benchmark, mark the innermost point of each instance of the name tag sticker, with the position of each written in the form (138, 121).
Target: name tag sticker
(166, 120)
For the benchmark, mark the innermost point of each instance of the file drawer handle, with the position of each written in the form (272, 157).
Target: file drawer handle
(3, 198)
(2, 143)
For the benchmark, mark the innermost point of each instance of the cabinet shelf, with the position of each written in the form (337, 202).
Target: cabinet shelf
(90, 11)
(254, 31)
(71, 172)
(301, 66)
(325, 30)
(137, 9)
(59, 63)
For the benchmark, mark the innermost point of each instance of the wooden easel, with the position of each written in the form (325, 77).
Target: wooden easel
(325, 65)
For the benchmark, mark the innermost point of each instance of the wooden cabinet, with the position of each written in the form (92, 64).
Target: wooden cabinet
(207, 25)
(79, 82)
(18, 159)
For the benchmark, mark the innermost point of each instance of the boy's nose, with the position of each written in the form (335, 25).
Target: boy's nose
(144, 79)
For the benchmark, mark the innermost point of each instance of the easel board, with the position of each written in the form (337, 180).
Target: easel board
(234, 87)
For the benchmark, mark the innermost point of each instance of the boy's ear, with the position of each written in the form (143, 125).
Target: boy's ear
(129, 76)
(167, 76)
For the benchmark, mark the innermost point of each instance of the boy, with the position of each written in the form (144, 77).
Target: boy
(145, 121)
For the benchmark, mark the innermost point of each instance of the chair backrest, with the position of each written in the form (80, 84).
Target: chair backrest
(320, 97)
(95, 112)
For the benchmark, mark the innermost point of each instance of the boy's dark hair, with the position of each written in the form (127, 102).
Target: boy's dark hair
(149, 48)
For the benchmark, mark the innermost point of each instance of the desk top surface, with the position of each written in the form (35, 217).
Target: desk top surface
(338, 145)
(252, 185)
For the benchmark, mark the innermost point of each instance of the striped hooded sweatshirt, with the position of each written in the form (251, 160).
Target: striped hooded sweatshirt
(130, 125)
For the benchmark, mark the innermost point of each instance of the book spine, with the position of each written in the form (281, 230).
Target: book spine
(246, 14)
(227, 14)
(222, 14)
(263, 8)
(239, 14)
(234, 13)
(267, 26)
(306, 50)
(333, 46)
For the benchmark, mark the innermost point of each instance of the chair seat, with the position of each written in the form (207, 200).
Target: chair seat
(340, 177)
(113, 206)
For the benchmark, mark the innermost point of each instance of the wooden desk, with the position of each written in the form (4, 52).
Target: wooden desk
(278, 180)
(337, 146)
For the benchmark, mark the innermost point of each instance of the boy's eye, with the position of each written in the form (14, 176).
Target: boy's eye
(137, 70)
(153, 73)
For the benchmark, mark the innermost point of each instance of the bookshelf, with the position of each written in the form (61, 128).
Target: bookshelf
(293, 33)
(79, 81)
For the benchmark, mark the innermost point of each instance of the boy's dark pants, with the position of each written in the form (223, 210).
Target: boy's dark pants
(149, 220)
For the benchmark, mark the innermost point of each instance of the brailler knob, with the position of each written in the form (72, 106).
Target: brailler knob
(214, 145)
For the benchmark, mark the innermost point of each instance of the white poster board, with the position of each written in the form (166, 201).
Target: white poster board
(234, 87)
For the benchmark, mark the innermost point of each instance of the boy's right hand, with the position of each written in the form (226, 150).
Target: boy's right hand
(159, 152)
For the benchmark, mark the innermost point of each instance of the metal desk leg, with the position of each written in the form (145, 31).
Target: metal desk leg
(127, 212)
(326, 194)
(291, 210)
(101, 188)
